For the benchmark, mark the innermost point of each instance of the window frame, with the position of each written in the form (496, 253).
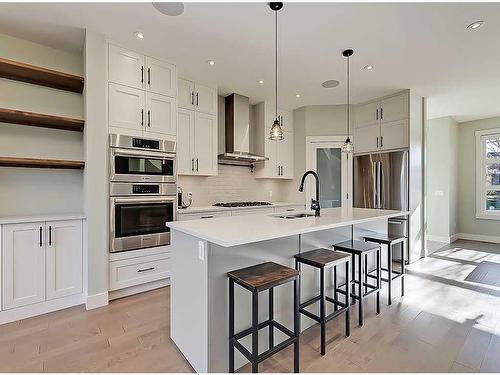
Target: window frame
(481, 187)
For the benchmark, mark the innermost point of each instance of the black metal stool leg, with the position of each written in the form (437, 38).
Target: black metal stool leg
(322, 303)
(389, 278)
(403, 265)
(335, 294)
(271, 317)
(379, 277)
(347, 293)
(231, 325)
(353, 276)
(360, 290)
(366, 273)
(255, 331)
(296, 325)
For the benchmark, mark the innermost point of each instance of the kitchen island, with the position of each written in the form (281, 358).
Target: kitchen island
(203, 251)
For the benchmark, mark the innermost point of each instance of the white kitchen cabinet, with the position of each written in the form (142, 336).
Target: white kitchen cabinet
(291, 208)
(185, 141)
(183, 216)
(64, 258)
(23, 268)
(125, 67)
(161, 117)
(161, 77)
(197, 97)
(252, 211)
(381, 125)
(285, 156)
(126, 107)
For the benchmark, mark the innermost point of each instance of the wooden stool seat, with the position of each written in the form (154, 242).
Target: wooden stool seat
(322, 258)
(263, 276)
(356, 247)
(386, 239)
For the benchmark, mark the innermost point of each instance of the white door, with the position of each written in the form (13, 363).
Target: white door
(205, 144)
(206, 99)
(161, 114)
(394, 135)
(186, 95)
(126, 67)
(394, 109)
(285, 155)
(161, 77)
(366, 138)
(325, 157)
(185, 141)
(64, 258)
(23, 264)
(126, 107)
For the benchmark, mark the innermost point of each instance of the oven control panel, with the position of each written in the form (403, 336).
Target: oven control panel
(146, 189)
(146, 143)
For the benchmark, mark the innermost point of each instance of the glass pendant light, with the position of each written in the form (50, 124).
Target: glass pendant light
(276, 133)
(348, 146)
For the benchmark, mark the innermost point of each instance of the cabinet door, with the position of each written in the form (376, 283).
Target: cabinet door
(126, 107)
(206, 99)
(64, 258)
(186, 94)
(205, 144)
(394, 135)
(185, 141)
(366, 138)
(285, 156)
(394, 109)
(269, 168)
(366, 114)
(23, 264)
(161, 116)
(161, 77)
(126, 67)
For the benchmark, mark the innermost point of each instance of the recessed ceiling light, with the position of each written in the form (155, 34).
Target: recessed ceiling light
(211, 62)
(475, 25)
(139, 35)
(368, 67)
(170, 9)
(261, 82)
(297, 95)
(330, 83)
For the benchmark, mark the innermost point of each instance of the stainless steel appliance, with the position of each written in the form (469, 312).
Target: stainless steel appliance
(134, 159)
(381, 181)
(138, 213)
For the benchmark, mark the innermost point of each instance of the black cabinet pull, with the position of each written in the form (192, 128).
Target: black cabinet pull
(142, 74)
(381, 113)
(142, 117)
(50, 235)
(197, 165)
(40, 241)
(377, 142)
(197, 101)
(146, 269)
(207, 217)
(149, 118)
(192, 97)
(192, 164)
(381, 141)
(149, 76)
(377, 113)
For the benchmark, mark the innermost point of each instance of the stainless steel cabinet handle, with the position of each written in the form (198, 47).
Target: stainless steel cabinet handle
(146, 269)
(142, 117)
(50, 235)
(197, 99)
(142, 74)
(207, 217)
(149, 76)
(197, 165)
(149, 118)
(377, 113)
(40, 241)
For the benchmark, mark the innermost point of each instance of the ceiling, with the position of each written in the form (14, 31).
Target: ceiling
(422, 46)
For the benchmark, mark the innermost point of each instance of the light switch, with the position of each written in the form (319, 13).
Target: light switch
(201, 250)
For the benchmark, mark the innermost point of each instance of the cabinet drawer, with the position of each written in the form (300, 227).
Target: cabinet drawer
(136, 271)
(298, 207)
(202, 215)
(253, 211)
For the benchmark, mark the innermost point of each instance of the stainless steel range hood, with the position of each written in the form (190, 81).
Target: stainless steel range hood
(238, 133)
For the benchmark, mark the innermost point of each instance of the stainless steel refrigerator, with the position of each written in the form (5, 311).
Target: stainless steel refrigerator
(381, 181)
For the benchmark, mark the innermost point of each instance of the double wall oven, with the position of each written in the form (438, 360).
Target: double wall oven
(142, 192)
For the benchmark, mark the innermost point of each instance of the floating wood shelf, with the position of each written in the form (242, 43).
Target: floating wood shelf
(40, 76)
(13, 116)
(41, 163)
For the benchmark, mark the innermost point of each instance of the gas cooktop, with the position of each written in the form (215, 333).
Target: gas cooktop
(241, 204)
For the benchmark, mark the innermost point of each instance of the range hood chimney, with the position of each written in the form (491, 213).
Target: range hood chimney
(238, 133)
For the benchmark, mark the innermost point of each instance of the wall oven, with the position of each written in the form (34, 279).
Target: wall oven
(135, 159)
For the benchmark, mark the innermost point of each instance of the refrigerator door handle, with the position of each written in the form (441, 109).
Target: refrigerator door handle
(379, 184)
(374, 174)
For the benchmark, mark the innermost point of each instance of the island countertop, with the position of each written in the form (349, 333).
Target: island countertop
(238, 230)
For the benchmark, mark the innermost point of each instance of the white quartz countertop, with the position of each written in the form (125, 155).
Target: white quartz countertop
(238, 230)
(198, 209)
(32, 219)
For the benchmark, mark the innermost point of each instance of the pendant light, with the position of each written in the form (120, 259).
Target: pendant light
(348, 147)
(276, 133)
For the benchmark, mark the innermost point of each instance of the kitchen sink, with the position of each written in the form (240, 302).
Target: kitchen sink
(295, 216)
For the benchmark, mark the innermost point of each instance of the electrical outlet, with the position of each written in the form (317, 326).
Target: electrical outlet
(270, 193)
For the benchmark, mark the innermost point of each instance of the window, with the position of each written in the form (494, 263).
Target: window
(488, 174)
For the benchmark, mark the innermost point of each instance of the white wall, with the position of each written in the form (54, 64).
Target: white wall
(40, 191)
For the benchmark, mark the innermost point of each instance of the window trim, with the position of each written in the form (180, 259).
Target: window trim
(481, 212)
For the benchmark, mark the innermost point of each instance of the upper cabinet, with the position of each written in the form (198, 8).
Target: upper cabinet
(382, 125)
(280, 153)
(142, 94)
(198, 97)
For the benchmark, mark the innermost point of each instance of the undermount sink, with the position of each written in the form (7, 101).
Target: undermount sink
(295, 216)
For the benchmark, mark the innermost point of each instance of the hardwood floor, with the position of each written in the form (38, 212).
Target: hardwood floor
(443, 324)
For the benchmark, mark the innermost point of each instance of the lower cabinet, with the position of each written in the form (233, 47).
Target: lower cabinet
(41, 261)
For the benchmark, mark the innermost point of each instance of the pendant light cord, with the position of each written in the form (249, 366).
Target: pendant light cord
(348, 94)
(276, 63)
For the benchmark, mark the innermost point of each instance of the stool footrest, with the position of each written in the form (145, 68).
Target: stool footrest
(248, 331)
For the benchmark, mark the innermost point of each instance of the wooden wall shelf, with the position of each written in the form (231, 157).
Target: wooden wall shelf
(13, 116)
(40, 76)
(41, 163)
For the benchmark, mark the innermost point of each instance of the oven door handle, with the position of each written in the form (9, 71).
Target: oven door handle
(152, 154)
(144, 200)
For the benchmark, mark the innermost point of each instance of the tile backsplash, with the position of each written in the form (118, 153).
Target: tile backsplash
(234, 183)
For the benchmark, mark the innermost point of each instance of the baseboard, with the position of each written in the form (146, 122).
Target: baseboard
(138, 289)
(40, 308)
(441, 239)
(97, 300)
(478, 237)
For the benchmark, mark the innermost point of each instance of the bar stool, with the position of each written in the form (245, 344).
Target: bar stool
(361, 250)
(390, 240)
(258, 278)
(325, 259)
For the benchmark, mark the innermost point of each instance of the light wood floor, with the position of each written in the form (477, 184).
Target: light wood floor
(443, 324)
